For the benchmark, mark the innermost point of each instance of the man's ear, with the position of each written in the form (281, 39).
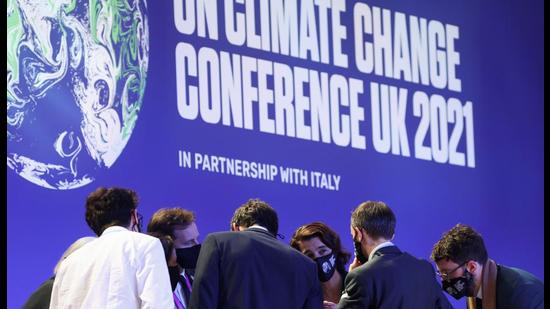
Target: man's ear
(234, 227)
(358, 234)
(472, 266)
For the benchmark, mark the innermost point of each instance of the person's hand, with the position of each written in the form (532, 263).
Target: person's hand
(354, 264)
(328, 305)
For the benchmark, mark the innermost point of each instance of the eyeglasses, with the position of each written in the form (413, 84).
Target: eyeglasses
(445, 275)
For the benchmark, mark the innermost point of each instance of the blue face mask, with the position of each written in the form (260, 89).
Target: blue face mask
(326, 265)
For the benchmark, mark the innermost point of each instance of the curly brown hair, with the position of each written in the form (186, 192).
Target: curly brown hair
(256, 211)
(460, 244)
(165, 220)
(107, 207)
(327, 237)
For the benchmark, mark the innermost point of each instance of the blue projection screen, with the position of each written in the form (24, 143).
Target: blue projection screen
(434, 107)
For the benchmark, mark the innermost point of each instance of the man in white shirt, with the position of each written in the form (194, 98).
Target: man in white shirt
(122, 268)
(180, 225)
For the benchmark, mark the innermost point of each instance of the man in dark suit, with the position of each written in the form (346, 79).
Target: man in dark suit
(467, 270)
(389, 277)
(250, 268)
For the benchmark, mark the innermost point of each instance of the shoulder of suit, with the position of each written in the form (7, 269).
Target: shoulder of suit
(381, 262)
(299, 255)
(216, 234)
(514, 277)
(362, 274)
(229, 235)
(223, 236)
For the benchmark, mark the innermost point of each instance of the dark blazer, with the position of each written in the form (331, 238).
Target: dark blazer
(518, 289)
(393, 279)
(40, 299)
(252, 269)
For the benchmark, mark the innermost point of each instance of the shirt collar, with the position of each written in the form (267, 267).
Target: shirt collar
(380, 246)
(258, 227)
(479, 293)
(114, 228)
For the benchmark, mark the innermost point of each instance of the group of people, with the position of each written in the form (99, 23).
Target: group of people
(248, 267)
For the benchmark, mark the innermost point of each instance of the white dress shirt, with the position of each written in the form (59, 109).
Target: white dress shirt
(380, 246)
(120, 269)
(255, 226)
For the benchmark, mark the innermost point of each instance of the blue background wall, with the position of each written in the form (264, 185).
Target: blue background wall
(501, 69)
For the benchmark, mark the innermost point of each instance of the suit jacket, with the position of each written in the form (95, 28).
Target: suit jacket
(393, 279)
(252, 269)
(40, 299)
(517, 289)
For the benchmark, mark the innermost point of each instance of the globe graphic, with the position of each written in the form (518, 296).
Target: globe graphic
(76, 77)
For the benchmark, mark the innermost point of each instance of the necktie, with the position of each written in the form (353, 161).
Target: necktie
(177, 302)
(186, 288)
(188, 281)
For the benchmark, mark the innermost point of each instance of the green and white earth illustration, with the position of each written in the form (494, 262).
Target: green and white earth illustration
(75, 81)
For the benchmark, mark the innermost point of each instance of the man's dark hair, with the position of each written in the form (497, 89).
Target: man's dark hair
(327, 236)
(376, 218)
(166, 220)
(460, 244)
(107, 207)
(256, 211)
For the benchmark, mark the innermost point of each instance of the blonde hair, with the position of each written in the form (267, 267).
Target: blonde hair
(72, 248)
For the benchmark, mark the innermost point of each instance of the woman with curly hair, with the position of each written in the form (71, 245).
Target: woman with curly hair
(320, 243)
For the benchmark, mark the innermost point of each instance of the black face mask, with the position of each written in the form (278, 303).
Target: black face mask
(326, 265)
(359, 253)
(187, 257)
(174, 273)
(460, 286)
